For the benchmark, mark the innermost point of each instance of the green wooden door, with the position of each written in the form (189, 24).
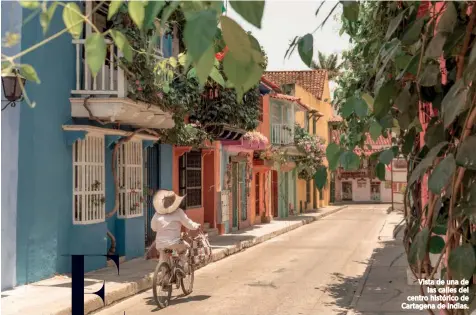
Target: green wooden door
(243, 192)
(234, 191)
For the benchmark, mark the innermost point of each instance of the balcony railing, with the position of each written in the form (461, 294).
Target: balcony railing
(110, 81)
(282, 134)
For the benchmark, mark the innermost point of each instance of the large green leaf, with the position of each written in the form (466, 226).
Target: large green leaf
(369, 100)
(393, 25)
(418, 247)
(435, 47)
(442, 174)
(199, 33)
(413, 33)
(466, 154)
(429, 77)
(205, 65)
(114, 7)
(436, 244)
(29, 73)
(320, 177)
(375, 130)
(251, 11)
(217, 77)
(73, 20)
(236, 39)
(462, 262)
(123, 44)
(409, 141)
(360, 107)
(385, 98)
(137, 12)
(306, 48)
(348, 107)
(422, 167)
(152, 10)
(448, 19)
(434, 134)
(95, 47)
(386, 156)
(380, 171)
(242, 75)
(46, 16)
(454, 102)
(29, 4)
(333, 153)
(349, 160)
(351, 10)
(439, 229)
(403, 99)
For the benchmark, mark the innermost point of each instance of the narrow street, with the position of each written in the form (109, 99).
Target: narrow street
(312, 270)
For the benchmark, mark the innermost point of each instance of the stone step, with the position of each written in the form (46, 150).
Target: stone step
(206, 225)
(212, 232)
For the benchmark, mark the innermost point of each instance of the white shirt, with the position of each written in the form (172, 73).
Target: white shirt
(168, 227)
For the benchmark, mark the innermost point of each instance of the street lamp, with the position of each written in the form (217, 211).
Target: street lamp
(12, 88)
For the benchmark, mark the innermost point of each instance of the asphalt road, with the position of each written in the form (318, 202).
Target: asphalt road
(312, 270)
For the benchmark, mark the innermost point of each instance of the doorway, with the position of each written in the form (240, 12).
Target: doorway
(234, 193)
(151, 180)
(347, 191)
(375, 191)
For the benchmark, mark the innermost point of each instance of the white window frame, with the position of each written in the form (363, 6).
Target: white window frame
(130, 173)
(89, 180)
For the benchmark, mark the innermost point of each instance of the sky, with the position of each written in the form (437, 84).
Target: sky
(285, 19)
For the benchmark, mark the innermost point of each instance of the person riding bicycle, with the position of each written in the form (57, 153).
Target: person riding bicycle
(167, 223)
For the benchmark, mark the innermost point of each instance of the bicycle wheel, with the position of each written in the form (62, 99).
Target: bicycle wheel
(187, 282)
(160, 285)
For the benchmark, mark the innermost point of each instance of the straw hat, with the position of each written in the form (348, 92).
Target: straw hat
(166, 201)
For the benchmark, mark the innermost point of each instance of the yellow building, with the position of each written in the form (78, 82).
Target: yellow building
(312, 87)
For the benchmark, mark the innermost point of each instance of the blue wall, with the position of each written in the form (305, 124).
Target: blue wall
(45, 234)
(11, 17)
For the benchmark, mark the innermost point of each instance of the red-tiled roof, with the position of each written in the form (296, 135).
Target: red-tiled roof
(335, 119)
(312, 81)
(290, 98)
(271, 84)
(381, 141)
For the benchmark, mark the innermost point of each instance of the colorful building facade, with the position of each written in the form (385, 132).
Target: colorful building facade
(312, 88)
(58, 188)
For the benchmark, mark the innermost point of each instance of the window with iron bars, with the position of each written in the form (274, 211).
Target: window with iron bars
(130, 175)
(89, 180)
(190, 179)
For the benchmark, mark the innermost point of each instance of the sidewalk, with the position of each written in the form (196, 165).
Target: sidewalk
(383, 287)
(53, 296)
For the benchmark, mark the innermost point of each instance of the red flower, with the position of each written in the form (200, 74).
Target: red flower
(139, 89)
(222, 54)
(423, 8)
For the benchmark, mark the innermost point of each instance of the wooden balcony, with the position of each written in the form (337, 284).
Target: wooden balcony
(282, 134)
(107, 93)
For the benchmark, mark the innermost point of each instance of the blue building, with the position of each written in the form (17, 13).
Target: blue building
(57, 183)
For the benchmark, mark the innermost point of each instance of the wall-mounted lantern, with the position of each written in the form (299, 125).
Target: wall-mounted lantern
(12, 88)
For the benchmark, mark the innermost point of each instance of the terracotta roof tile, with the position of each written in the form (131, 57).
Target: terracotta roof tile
(312, 81)
(335, 119)
(381, 141)
(290, 98)
(271, 84)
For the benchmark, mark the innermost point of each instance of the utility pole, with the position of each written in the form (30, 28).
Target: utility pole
(391, 181)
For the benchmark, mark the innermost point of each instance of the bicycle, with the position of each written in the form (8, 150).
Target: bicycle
(169, 273)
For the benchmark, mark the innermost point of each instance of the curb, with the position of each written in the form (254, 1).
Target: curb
(115, 296)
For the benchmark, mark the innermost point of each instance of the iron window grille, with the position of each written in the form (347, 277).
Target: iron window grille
(89, 180)
(190, 179)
